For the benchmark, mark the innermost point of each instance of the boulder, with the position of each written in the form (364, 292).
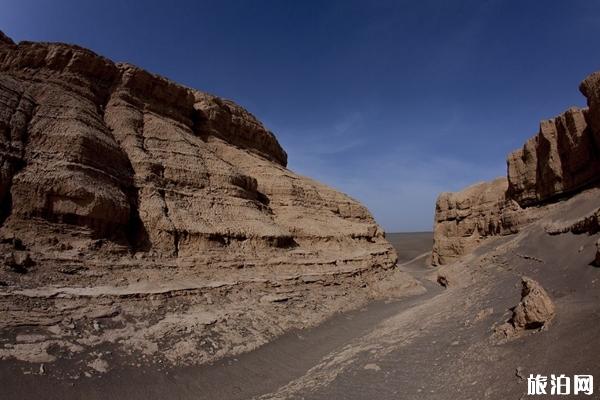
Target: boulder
(535, 308)
(534, 312)
(590, 88)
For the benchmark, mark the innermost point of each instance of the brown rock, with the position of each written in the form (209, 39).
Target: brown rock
(535, 309)
(158, 191)
(138, 158)
(590, 88)
(232, 123)
(561, 158)
(5, 39)
(18, 261)
(597, 260)
(564, 157)
(442, 280)
(464, 219)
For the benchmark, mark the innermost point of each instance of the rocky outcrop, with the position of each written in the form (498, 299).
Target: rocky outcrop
(110, 147)
(464, 219)
(128, 190)
(227, 120)
(561, 159)
(589, 224)
(534, 311)
(590, 88)
(535, 308)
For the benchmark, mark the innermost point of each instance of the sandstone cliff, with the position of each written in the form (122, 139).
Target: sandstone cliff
(462, 219)
(561, 159)
(125, 191)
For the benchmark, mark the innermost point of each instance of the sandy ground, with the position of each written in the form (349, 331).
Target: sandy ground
(410, 244)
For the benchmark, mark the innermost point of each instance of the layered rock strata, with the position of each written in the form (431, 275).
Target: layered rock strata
(462, 219)
(561, 159)
(170, 209)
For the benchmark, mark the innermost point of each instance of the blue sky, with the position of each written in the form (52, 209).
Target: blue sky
(391, 102)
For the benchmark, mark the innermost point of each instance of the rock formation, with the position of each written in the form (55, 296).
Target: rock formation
(535, 308)
(562, 158)
(534, 311)
(126, 190)
(462, 219)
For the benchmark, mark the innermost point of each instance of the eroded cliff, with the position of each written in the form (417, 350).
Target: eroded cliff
(560, 160)
(142, 213)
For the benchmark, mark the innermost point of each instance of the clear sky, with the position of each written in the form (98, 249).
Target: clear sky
(391, 102)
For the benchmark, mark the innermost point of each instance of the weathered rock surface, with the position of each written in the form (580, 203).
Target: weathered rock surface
(535, 308)
(464, 219)
(561, 159)
(534, 311)
(171, 208)
(590, 87)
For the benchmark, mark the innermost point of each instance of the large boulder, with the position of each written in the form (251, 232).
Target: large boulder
(534, 312)
(535, 308)
(590, 88)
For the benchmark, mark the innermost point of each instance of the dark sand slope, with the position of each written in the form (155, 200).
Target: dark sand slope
(443, 348)
(410, 244)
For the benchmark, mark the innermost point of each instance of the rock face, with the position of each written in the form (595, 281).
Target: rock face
(562, 158)
(590, 88)
(463, 219)
(115, 178)
(534, 311)
(137, 158)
